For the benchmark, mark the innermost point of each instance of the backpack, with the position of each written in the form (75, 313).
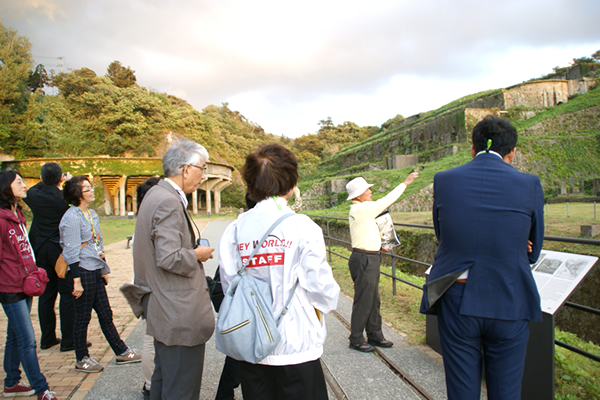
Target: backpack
(246, 328)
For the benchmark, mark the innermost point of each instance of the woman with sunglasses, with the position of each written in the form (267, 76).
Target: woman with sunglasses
(83, 251)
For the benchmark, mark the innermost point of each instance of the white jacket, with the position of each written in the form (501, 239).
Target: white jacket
(295, 250)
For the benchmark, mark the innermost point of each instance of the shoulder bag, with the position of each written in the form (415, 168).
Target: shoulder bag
(35, 282)
(246, 328)
(61, 265)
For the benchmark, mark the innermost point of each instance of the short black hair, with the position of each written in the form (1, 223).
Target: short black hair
(51, 174)
(499, 130)
(143, 188)
(72, 190)
(270, 171)
(7, 198)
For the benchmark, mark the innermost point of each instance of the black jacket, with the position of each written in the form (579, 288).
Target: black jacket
(48, 207)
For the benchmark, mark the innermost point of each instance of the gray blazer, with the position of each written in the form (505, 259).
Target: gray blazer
(179, 309)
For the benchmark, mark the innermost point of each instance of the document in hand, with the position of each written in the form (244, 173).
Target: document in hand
(389, 238)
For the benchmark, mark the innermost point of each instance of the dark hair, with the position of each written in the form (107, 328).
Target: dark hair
(7, 198)
(500, 131)
(51, 174)
(270, 171)
(143, 188)
(72, 190)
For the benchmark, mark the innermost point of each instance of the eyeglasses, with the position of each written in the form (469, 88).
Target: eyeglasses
(204, 169)
(91, 189)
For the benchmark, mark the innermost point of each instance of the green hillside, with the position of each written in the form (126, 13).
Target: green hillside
(560, 144)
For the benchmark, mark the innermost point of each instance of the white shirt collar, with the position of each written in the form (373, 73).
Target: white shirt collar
(491, 152)
(181, 193)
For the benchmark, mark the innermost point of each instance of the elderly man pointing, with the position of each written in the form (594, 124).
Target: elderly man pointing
(168, 263)
(365, 260)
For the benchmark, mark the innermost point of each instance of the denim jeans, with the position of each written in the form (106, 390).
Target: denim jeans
(21, 348)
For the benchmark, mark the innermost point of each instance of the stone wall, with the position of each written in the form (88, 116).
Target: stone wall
(546, 93)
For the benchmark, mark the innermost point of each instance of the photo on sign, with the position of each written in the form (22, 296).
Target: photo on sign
(548, 266)
(571, 269)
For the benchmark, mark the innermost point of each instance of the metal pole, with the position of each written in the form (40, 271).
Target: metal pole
(547, 210)
(567, 208)
(393, 272)
(328, 240)
(594, 210)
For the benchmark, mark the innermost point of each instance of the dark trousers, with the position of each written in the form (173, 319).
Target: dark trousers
(94, 297)
(177, 372)
(46, 257)
(285, 382)
(364, 270)
(467, 342)
(230, 379)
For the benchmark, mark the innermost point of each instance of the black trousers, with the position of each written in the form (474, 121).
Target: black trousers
(94, 297)
(364, 269)
(285, 382)
(230, 379)
(177, 372)
(46, 257)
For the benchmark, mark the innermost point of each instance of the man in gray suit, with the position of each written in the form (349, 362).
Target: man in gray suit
(168, 263)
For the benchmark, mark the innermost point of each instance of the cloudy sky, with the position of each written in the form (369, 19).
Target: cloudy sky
(287, 65)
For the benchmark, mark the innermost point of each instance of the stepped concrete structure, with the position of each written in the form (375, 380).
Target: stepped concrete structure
(116, 179)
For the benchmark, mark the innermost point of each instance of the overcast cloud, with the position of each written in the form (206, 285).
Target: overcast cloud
(285, 65)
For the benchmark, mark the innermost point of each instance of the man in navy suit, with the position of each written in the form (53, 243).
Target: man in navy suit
(488, 219)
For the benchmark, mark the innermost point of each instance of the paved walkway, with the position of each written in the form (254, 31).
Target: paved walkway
(351, 374)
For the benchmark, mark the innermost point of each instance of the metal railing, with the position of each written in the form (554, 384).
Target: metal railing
(395, 279)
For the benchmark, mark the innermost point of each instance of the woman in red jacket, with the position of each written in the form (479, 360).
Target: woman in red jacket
(15, 255)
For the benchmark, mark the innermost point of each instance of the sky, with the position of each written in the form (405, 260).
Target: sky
(288, 65)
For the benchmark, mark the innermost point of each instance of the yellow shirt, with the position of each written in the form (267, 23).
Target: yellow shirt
(363, 228)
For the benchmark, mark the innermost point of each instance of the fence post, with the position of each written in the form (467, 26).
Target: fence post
(328, 240)
(393, 271)
(594, 210)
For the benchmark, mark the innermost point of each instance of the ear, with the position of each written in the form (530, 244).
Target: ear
(473, 152)
(509, 157)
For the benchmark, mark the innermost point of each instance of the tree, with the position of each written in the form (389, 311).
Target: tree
(596, 55)
(76, 82)
(15, 63)
(583, 60)
(38, 78)
(121, 76)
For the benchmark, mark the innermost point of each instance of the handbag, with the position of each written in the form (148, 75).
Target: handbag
(246, 328)
(35, 282)
(61, 265)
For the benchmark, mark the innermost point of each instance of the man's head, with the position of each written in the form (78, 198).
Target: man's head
(185, 163)
(502, 134)
(270, 171)
(51, 174)
(358, 189)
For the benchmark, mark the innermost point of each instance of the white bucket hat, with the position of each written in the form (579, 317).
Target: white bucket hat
(356, 187)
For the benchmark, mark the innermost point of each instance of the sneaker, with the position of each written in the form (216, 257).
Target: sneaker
(89, 365)
(20, 389)
(47, 395)
(130, 356)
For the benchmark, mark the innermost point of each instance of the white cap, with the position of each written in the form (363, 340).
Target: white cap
(356, 187)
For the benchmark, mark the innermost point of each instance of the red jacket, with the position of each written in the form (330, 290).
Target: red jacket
(13, 241)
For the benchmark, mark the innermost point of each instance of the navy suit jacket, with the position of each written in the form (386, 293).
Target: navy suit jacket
(483, 213)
